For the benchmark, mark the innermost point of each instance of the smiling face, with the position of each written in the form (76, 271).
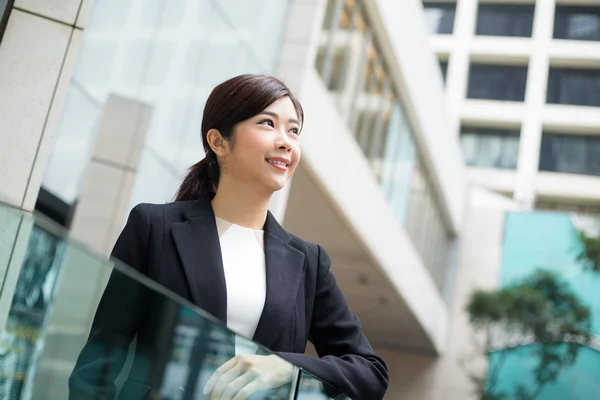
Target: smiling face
(265, 149)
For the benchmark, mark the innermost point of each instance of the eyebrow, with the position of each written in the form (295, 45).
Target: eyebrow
(274, 115)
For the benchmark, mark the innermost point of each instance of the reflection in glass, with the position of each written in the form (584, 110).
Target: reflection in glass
(56, 295)
(490, 147)
(570, 154)
(169, 55)
(497, 82)
(73, 145)
(312, 388)
(577, 22)
(505, 19)
(575, 86)
(440, 17)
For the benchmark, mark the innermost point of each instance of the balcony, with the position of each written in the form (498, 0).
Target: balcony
(51, 290)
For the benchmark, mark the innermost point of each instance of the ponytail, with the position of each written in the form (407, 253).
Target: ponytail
(202, 179)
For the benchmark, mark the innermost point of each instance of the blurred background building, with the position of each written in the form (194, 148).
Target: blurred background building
(101, 103)
(523, 91)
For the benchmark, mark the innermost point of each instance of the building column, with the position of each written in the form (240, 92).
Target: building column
(105, 197)
(457, 76)
(535, 100)
(37, 58)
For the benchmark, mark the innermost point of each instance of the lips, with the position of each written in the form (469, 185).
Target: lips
(279, 163)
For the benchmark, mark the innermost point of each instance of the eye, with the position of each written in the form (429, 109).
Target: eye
(267, 122)
(295, 131)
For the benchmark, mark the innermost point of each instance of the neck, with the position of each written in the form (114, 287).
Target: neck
(241, 204)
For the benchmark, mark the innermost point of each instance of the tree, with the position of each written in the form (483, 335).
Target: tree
(541, 311)
(590, 253)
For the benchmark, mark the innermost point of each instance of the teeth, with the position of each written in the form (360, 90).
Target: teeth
(277, 162)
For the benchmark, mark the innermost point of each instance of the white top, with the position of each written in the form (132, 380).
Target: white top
(243, 255)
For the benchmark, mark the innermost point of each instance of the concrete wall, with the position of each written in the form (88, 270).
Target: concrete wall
(422, 377)
(37, 56)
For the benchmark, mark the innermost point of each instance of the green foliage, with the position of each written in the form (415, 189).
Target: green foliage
(541, 308)
(590, 255)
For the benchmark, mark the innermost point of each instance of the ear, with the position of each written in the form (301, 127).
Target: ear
(217, 143)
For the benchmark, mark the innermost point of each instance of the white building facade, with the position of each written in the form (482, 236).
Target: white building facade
(523, 91)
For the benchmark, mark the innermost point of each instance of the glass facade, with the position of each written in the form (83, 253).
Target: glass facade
(490, 147)
(426, 227)
(505, 19)
(497, 82)
(577, 22)
(354, 70)
(167, 55)
(440, 17)
(575, 86)
(570, 154)
(58, 283)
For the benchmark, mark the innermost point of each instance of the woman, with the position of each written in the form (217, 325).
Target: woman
(219, 247)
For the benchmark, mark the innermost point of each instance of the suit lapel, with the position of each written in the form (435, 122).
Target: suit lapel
(197, 242)
(285, 271)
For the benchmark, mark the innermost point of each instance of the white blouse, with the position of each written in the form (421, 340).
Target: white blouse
(243, 255)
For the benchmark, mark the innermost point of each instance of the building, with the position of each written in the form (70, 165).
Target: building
(104, 113)
(522, 84)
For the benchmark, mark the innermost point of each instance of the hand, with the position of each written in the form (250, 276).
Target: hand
(244, 375)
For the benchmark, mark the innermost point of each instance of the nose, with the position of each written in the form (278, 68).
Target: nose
(283, 141)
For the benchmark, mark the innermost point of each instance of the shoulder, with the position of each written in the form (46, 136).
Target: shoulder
(169, 212)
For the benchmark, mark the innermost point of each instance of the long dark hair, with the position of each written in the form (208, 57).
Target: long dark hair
(230, 103)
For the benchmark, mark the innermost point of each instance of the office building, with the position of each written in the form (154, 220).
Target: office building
(522, 87)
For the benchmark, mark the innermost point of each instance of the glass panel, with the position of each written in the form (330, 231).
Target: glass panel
(577, 22)
(312, 388)
(505, 19)
(570, 154)
(73, 145)
(50, 348)
(497, 82)
(425, 225)
(440, 17)
(490, 147)
(574, 86)
(166, 55)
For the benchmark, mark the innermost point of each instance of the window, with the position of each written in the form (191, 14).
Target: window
(497, 82)
(440, 17)
(505, 20)
(574, 86)
(490, 147)
(444, 68)
(570, 154)
(577, 23)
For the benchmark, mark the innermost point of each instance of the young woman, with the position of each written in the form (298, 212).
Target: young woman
(219, 247)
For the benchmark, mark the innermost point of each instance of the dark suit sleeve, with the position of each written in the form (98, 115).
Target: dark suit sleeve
(347, 360)
(117, 317)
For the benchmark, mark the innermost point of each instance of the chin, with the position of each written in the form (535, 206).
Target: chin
(276, 186)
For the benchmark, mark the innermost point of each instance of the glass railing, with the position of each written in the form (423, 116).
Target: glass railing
(67, 335)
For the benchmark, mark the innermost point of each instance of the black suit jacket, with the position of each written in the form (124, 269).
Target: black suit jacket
(177, 245)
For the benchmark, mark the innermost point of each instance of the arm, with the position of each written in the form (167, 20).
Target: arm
(347, 360)
(117, 317)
